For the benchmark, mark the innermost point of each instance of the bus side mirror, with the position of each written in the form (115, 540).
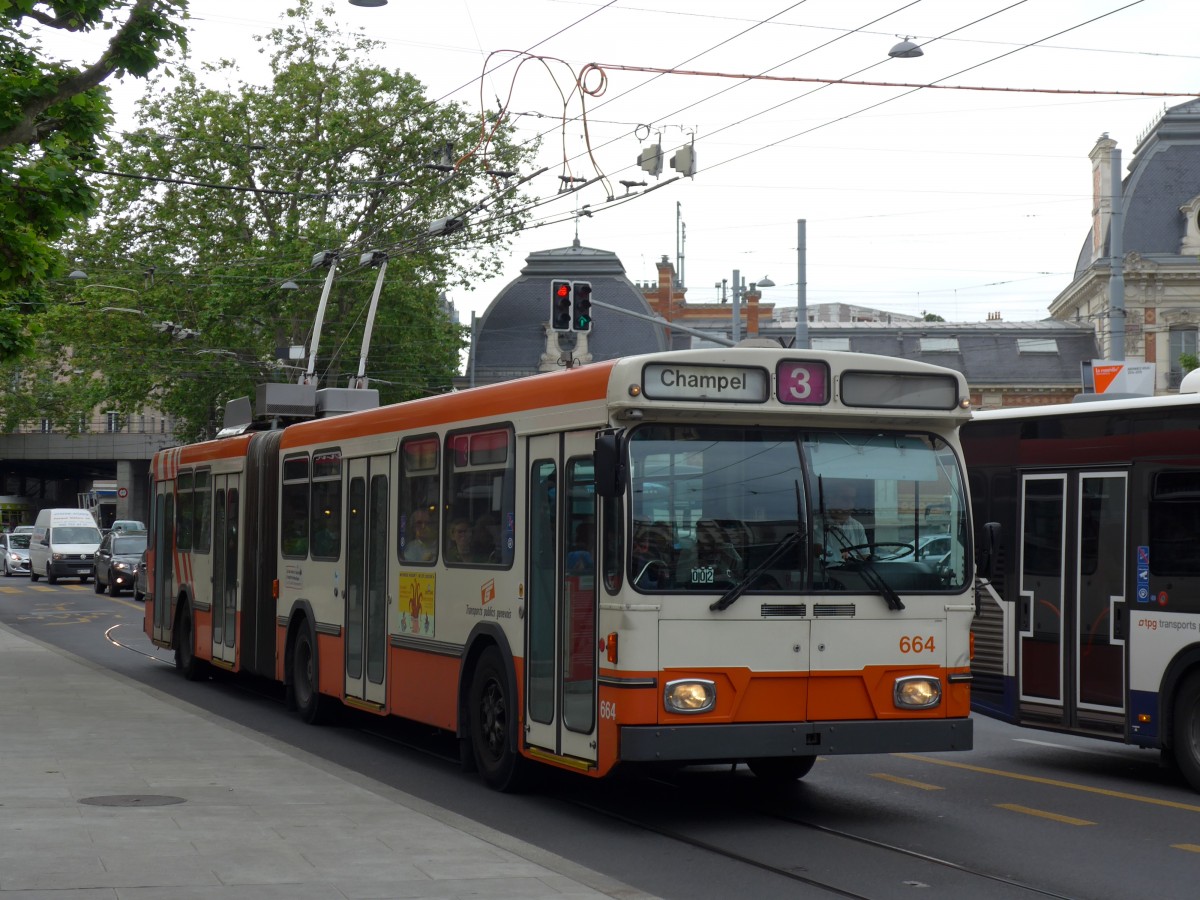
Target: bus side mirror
(606, 459)
(986, 557)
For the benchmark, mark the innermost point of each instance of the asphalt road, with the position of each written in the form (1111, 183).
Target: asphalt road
(1024, 814)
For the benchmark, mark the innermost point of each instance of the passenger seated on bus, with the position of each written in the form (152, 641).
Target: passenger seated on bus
(483, 539)
(421, 532)
(458, 549)
(649, 568)
(834, 538)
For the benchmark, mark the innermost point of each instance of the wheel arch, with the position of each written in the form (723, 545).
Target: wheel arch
(299, 616)
(1185, 663)
(183, 598)
(482, 637)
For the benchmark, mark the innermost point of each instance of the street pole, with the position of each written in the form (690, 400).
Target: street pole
(802, 341)
(737, 306)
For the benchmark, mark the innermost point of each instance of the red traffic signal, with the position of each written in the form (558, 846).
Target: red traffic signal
(560, 305)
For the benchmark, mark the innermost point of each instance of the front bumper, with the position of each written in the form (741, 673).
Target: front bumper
(70, 568)
(696, 743)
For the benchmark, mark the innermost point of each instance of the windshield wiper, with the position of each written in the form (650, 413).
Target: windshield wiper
(727, 599)
(878, 584)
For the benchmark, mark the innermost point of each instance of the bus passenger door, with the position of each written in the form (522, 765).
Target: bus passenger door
(1071, 602)
(560, 657)
(163, 587)
(226, 527)
(1040, 629)
(1099, 647)
(366, 584)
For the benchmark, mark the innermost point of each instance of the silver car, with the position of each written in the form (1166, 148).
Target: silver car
(16, 553)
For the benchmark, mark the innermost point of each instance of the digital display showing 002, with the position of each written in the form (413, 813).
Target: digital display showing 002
(802, 383)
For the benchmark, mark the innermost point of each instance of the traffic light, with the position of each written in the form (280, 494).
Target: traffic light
(560, 305)
(581, 306)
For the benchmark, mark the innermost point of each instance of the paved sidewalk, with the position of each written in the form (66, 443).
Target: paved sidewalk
(109, 789)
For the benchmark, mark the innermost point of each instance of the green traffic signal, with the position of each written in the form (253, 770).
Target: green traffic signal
(581, 306)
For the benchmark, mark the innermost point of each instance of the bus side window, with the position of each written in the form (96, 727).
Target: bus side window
(293, 515)
(325, 511)
(480, 485)
(419, 508)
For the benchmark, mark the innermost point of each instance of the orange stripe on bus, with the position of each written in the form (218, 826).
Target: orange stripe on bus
(490, 401)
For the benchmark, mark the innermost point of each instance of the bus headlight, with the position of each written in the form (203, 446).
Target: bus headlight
(690, 695)
(917, 692)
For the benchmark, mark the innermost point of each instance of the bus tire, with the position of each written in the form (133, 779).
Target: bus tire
(1187, 730)
(303, 690)
(185, 650)
(492, 715)
(781, 769)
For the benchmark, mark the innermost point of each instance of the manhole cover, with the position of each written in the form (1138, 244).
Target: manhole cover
(133, 800)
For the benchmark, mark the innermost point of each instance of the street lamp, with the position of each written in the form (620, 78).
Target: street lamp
(766, 282)
(906, 49)
(369, 3)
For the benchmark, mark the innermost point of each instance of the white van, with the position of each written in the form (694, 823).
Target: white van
(63, 545)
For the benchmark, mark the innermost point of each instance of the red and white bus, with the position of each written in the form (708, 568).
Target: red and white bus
(1091, 623)
(624, 562)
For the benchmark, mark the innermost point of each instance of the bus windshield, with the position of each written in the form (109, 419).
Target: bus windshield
(710, 504)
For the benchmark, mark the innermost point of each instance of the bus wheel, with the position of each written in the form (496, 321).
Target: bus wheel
(1187, 730)
(185, 650)
(781, 769)
(303, 687)
(492, 719)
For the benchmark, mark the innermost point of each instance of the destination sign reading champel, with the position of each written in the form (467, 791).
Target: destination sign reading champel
(720, 384)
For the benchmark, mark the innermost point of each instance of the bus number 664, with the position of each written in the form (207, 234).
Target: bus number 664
(916, 644)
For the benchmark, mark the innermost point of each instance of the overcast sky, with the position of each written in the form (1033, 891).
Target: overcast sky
(956, 202)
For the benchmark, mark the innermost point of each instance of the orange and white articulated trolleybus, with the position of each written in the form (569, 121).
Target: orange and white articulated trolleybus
(747, 554)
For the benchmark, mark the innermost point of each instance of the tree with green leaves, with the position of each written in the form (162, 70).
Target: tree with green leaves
(223, 195)
(52, 118)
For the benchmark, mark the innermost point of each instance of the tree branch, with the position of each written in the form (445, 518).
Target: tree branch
(29, 130)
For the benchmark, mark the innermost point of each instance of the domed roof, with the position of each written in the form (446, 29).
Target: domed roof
(511, 335)
(1164, 175)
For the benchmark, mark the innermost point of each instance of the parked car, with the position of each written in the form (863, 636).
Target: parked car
(16, 553)
(116, 561)
(141, 581)
(128, 525)
(933, 549)
(23, 529)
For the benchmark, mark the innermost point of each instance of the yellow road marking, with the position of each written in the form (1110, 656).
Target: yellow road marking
(1190, 848)
(1042, 814)
(908, 781)
(1054, 782)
